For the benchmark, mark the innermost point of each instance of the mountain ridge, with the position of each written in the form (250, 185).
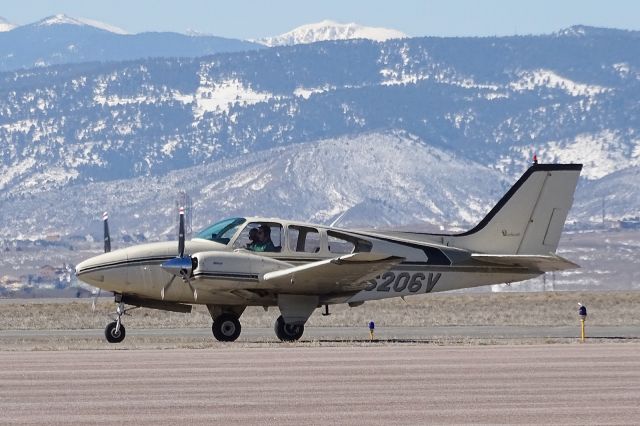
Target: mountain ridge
(60, 39)
(328, 30)
(5, 25)
(489, 102)
(62, 19)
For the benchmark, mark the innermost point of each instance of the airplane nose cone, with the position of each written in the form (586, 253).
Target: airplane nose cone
(101, 270)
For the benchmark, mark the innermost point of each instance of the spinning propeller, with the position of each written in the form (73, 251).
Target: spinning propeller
(107, 249)
(181, 266)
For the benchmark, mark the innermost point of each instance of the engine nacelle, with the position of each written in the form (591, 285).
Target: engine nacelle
(236, 265)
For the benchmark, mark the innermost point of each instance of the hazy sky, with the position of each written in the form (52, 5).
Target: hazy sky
(254, 19)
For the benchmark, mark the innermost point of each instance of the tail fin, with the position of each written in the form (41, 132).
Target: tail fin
(530, 216)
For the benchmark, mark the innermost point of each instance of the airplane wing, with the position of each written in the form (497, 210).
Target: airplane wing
(542, 263)
(341, 274)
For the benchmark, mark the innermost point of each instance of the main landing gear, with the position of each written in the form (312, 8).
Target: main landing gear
(226, 327)
(288, 332)
(115, 331)
(226, 322)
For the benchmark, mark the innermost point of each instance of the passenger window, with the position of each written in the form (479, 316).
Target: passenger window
(303, 239)
(260, 237)
(343, 244)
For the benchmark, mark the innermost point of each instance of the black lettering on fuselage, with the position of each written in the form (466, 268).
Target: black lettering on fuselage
(414, 282)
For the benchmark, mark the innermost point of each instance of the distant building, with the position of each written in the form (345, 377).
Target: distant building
(630, 223)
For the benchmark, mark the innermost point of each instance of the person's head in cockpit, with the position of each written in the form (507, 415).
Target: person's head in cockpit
(264, 234)
(253, 237)
(264, 242)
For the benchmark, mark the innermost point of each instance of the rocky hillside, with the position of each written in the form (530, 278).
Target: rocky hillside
(76, 137)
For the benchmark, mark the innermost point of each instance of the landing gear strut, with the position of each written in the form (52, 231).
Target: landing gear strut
(288, 332)
(226, 327)
(115, 331)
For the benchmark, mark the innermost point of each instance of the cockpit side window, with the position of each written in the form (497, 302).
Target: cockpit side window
(303, 239)
(260, 237)
(343, 244)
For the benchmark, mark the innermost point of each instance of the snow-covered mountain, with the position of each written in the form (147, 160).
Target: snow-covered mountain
(616, 193)
(61, 39)
(330, 30)
(62, 19)
(375, 178)
(6, 25)
(82, 134)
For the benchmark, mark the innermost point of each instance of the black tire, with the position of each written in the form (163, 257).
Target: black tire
(111, 335)
(288, 332)
(226, 328)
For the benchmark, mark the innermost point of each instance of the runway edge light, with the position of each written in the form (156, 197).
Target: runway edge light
(582, 313)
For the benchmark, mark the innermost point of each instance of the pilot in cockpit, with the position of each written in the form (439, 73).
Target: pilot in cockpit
(263, 241)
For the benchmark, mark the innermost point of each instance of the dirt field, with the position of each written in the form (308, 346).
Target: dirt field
(549, 309)
(559, 384)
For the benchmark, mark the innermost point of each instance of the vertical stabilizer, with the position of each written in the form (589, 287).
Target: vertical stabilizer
(530, 217)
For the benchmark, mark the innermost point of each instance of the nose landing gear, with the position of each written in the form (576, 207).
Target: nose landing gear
(115, 331)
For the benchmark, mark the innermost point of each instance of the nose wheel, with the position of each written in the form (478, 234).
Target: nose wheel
(114, 332)
(226, 327)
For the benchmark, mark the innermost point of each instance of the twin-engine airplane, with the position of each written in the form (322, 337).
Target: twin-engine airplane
(299, 267)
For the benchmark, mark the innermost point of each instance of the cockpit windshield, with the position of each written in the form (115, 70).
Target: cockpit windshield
(221, 232)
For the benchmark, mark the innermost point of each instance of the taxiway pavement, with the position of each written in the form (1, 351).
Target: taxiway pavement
(288, 384)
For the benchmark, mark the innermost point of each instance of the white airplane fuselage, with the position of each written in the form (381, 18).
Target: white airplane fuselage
(136, 270)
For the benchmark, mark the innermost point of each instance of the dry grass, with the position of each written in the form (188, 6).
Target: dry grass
(550, 309)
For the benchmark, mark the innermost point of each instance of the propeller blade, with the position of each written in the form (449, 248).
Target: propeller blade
(193, 290)
(166, 287)
(107, 237)
(187, 280)
(182, 265)
(181, 234)
(95, 299)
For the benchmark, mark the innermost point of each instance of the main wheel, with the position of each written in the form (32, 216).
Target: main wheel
(112, 335)
(226, 328)
(288, 332)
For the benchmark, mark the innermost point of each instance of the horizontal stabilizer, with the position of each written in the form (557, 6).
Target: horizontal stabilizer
(537, 262)
(341, 274)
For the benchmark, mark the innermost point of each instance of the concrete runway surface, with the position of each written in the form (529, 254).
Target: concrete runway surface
(363, 385)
